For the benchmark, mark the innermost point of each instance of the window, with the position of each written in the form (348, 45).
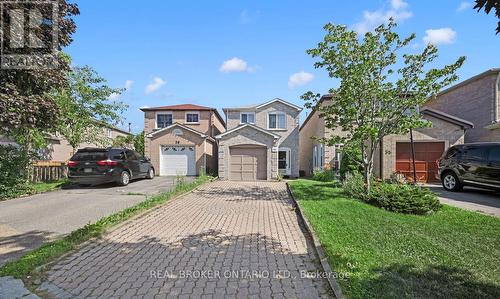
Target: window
(192, 117)
(131, 155)
(474, 153)
(276, 121)
(494, 155)
(117, 155)
(163, 120)
(109, 133)
(247, 118)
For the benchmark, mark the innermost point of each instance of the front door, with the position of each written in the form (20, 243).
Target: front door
(284, 161)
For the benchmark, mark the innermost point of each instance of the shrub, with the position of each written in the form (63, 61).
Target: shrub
(350, 162)
(324, 175)
(13, 172)
(401, 198)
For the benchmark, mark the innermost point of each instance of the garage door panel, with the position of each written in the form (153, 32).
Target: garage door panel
(426, 155)
(177, 160)
(248, 163)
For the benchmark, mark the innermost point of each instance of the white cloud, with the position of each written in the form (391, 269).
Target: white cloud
(464, 5)
(299, 79)
(156, 84)
(114, 96)
(440, 36)
(235, 64)
(128, 84)
(371, 19)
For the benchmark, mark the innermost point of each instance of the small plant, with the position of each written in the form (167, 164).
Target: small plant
(179, 179)
(324, 175)
(279, 177)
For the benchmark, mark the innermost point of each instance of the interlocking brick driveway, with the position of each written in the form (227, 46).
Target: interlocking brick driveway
(226, 239)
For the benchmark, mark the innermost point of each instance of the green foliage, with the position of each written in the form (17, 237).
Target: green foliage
(139, 143)
(14, 162)
(452, 253)
(380, 87)
(327, 175)
(351, 162)
(24, 99)
(25, 266)
(123, 141)
(86, 107)
(401, 198)
(488, 5)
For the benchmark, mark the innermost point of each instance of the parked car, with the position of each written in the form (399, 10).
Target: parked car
(474, 164)
(97, 166)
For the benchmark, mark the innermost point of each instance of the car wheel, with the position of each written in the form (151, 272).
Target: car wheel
(124, 178)
(451, 183)
(151, 174)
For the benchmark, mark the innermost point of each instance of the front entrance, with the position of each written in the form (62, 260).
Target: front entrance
(426, 156)
(284, 161)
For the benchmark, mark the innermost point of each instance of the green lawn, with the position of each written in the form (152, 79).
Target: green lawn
(45, 187)
(453, 253)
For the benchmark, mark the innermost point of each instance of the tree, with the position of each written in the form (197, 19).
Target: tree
(488, 5)
(124, 141)
(378, 94)
(139, 143)
(25, 102)
(86, 108)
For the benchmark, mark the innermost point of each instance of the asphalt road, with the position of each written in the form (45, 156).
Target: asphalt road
(474, 199)
(26, 223)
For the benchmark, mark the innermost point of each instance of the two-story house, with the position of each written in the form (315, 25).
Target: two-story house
(476, 100)
(179, 139)
(261, 142)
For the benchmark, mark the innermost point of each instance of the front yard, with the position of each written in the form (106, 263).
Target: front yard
(452, 253)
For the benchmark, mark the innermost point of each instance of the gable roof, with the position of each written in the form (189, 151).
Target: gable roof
(258, 106)
(182, 127)
(471, 79)
(321, 100)
(447, 117)
(185, 107)
(244, 126)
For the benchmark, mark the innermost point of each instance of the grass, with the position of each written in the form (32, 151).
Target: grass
(452, 253)
(49, 186)
(33, 188)
(25, 267)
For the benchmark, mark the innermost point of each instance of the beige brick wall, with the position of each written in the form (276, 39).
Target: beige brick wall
(474, 102)
(289, 136)
(441, 130)
(247, 136)
(207, 121)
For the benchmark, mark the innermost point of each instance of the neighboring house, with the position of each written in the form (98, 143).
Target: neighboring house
(59, 150)
(179, 138)
(260, 142)
(476, 100)
(394, 155)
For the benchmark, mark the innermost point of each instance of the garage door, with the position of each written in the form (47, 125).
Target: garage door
(248, 164)
(426, 155)
(177, 160)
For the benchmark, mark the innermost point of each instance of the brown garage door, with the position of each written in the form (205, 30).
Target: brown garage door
(248, 163)
(426, 155)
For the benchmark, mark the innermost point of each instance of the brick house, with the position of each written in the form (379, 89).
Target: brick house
(179, 139)
(260, 142)
(476, 100)
(395, 156)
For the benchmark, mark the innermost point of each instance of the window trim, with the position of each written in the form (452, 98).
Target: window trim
(277, 128)
(250, 112)
(162, 113)
(191, 112)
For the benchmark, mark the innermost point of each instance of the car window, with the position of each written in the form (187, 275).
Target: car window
(452, 152)
(131, 155)
(494, 155)
(89, 156)
(474, 153)
(117, 155)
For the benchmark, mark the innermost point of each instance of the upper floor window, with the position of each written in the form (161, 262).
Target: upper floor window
(276, 121)
(163, 120)
(109, 133)
(192, 117)
(247, 118)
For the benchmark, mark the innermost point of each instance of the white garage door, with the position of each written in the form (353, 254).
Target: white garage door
(177, 160)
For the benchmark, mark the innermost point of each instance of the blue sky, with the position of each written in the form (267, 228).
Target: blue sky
(227, 53)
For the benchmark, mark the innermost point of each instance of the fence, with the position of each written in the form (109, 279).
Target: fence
(46, 171)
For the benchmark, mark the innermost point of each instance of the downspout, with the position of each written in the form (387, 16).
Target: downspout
(497, 94)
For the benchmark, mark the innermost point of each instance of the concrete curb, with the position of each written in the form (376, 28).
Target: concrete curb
(334, 285)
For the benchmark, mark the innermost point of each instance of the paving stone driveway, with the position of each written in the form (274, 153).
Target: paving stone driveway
(226, 239)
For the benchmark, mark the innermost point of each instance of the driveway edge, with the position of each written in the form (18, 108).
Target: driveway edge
(334, 285)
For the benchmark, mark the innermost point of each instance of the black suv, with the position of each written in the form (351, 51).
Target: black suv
(96, 166)
(474, 164)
